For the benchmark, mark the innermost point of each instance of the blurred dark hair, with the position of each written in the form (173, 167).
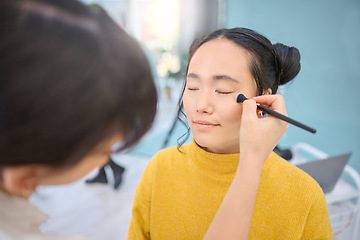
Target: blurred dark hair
(69, 78)
(270, 65)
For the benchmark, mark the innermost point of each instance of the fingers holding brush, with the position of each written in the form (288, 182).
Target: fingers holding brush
(274, 102)
(277, 109)
(259, 136)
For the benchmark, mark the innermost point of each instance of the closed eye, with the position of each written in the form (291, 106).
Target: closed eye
(192, 89)
(222, 92)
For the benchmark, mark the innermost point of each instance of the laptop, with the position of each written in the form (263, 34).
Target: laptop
(326, 171)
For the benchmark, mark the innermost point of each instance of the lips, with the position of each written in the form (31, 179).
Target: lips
(202, 124)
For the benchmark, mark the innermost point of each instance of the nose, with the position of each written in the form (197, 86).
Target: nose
(204, 103)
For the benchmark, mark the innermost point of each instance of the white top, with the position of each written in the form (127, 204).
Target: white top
(20, 220)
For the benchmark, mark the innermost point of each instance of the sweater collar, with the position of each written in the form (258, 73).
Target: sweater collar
(221, 166)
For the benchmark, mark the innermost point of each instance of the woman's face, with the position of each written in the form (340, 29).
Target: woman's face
(217, 73)
(17, 180)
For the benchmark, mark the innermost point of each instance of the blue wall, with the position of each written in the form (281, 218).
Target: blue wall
(326, 93)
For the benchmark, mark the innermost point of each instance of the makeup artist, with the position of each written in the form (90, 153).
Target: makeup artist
(72, 84)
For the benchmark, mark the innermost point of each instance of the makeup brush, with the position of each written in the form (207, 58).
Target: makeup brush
(241, 98)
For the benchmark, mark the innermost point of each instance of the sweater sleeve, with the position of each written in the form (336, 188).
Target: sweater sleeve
(318, 224)
(139, 228)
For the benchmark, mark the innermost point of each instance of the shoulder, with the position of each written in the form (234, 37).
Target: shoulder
(282, 169)
(286, 190)
(290, 177)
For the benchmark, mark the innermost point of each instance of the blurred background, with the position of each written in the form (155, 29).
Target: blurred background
(325, 95)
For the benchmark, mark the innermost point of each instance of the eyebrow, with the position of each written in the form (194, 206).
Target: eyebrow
(215, 77)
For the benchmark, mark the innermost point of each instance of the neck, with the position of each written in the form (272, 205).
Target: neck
(222, 150)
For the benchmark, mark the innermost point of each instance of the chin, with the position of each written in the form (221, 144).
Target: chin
(206, 145)
(202, 142)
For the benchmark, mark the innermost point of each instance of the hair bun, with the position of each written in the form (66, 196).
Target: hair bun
(288, 62)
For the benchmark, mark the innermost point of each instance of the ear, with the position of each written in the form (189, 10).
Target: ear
(20, 180)
(267, 91)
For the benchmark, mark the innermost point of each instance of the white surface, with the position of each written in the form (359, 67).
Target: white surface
(94, 210)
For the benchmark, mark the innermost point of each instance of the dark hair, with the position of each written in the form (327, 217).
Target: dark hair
(271, 65)
(69, 78)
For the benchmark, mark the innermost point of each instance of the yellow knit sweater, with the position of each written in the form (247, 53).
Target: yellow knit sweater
(180, 193)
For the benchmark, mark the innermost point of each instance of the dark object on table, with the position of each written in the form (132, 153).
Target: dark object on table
(102, 178)
(284, 153)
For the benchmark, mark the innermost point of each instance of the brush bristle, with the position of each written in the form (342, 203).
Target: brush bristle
(240, 98)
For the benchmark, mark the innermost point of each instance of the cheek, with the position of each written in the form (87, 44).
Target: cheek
(94, 161)
(88, 164)
(76, 172)
(232, 114)
(187, 103)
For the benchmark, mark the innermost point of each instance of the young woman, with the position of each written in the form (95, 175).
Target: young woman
(228, 178)
(72, 84)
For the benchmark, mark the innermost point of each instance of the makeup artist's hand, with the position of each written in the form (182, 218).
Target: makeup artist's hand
(259, 136)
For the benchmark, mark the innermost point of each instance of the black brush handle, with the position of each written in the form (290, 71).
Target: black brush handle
(285, 118)
(241, 98)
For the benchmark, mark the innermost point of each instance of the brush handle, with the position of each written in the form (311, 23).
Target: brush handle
(285, 118)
